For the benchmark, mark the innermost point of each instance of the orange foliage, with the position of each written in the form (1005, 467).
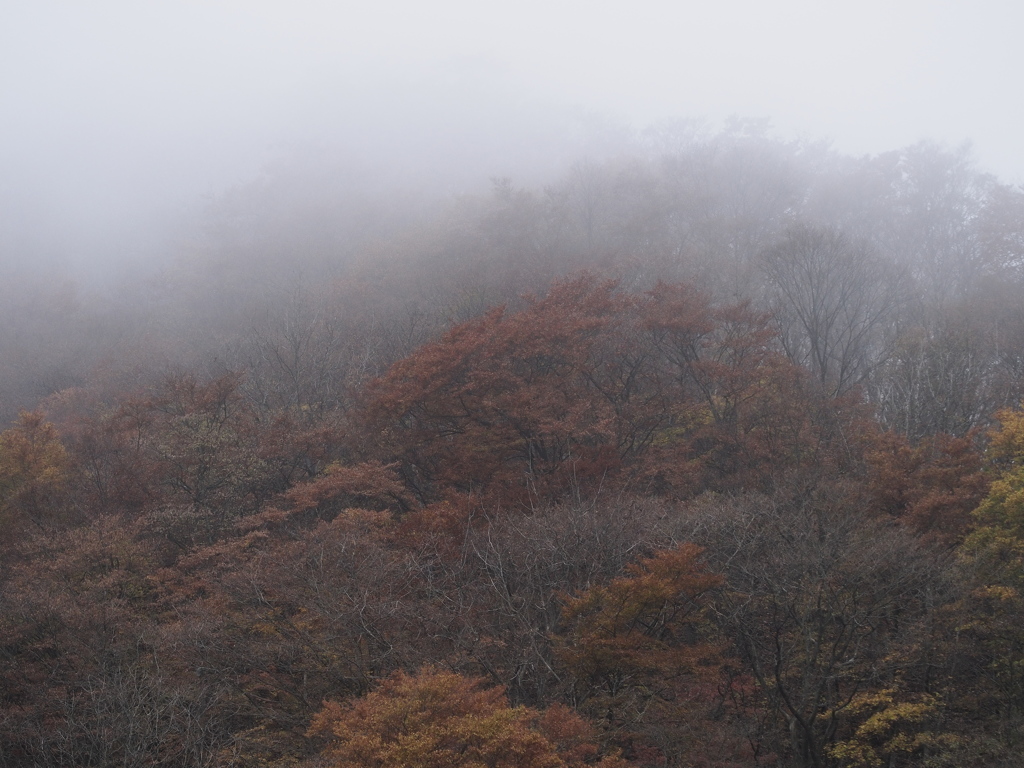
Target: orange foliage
(644, 623)
(646, 660)
(369, 484)
(437, 719)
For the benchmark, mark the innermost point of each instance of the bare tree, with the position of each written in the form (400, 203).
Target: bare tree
(837, 304)
(308, 355)
(819, 600)
(935, 200)
(515, 561)
(937, 380)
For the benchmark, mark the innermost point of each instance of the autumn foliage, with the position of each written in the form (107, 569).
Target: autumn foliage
(646, 660)
(436, 719)
(599, 526)
(590, 388)
(33, 473)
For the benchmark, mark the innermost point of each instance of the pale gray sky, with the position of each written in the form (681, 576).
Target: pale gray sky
(107, 103)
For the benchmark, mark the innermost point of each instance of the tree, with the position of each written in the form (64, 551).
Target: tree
(84, 673)
(510, 401)
(997, 543)
(836, 304)
(819, 599)
(935, 380)
(994, 612)
(592, 387)
(34, 471)
(893, 728)
(934, 201)
(436, 719)
(518, 570)
(645, 659)
(287, 615)
(725, 198)
(932, 487)
(308, 357)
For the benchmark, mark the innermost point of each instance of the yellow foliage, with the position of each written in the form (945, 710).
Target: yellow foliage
(1007, 442)
(890, 728)
(33, 470)
(997, 544)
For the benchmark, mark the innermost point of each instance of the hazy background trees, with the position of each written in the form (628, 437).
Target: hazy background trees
(838, 305)
(925, 249)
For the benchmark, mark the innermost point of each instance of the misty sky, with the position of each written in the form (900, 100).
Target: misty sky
(110, 111)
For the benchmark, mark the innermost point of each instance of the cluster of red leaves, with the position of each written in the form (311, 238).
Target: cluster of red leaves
(589, 388)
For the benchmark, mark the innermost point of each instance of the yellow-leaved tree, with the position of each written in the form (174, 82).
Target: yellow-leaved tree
(992, 615)
(33, 472)
(997, 542)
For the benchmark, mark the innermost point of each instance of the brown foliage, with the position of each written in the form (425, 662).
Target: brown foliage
(84, 676)
(932, 487)
(645, 660)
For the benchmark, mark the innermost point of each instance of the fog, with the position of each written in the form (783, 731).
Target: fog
(343, 338)
(174, 174)
(118, 120)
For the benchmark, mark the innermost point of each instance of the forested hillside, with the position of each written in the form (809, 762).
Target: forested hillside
(705, 453)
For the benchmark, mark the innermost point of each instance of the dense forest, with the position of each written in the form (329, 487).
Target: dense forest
(707, 452)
